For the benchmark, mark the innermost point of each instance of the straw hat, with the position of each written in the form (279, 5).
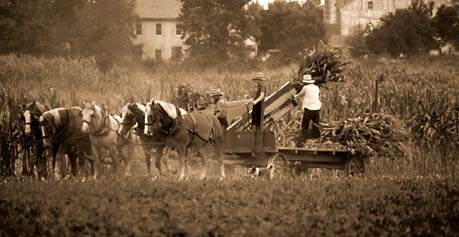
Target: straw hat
(216, 92)
(307, 78)
(259, 76)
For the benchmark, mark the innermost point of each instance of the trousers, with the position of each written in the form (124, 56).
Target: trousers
(308, 116)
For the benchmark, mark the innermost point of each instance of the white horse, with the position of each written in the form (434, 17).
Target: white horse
(102, 129)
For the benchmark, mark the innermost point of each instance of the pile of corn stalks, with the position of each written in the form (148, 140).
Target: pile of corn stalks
(369, 135)
(323, 63)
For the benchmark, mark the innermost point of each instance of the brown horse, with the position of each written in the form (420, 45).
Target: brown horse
(184, 131)
(61, 130)
(133, 119)
(32, 147)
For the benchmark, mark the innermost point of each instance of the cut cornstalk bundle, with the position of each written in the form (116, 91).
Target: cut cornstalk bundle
(368, 135)
(323, 63)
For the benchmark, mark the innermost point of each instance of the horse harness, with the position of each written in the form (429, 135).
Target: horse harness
(61, 130)
(104, 128)
(172, 127)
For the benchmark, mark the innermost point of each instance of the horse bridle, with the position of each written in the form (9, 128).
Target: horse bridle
(43, 137)
(56, 128)
(166, 128)
(92, 119)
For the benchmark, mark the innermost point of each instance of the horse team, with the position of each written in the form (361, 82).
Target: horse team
(87, 133)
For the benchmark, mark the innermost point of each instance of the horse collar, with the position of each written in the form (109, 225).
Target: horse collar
(104, 129)
(169, 128)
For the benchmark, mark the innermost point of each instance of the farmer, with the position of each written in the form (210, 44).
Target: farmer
(220, 107)
(258, 102)
(311, 106)
(183, 96)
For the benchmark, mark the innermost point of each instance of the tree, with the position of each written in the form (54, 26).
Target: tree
(216, 30)
(446, 21)
(25, 27)
(407, 31)
(101, 28)
(290, 27)
(104, 29)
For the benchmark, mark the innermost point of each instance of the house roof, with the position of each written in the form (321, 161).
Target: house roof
(152, 9)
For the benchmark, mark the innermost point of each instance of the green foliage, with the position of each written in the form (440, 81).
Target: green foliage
(27, 27)
(323, 63)
(421, 92)
(215, 30)
(357, 41)
(290, 27)
(422, 206)
(100, 28)
(446, 21)
(407, 31)
(104, 29)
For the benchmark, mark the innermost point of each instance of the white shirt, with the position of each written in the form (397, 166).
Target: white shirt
(311, 98)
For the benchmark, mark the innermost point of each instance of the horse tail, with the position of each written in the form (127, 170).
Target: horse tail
(217, 131)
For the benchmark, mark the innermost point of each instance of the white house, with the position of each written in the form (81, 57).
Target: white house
(158, 29)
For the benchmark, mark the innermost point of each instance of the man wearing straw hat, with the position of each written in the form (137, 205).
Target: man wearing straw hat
(258, 102)
(311, 106)
(220, 107)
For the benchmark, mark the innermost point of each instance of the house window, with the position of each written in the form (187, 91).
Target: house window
(178, 29)
(138, 28)
(159, 30)
(176, 53)
(158, 55)
(370, 5)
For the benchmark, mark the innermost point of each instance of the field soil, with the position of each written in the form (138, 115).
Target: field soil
(138, 206)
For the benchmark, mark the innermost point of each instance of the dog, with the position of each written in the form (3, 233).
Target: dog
(267, 172)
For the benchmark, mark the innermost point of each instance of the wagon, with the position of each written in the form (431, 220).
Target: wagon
(247, 148)
(259, 148)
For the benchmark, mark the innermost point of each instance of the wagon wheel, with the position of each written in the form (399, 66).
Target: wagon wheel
(280, 163)
(355, 166)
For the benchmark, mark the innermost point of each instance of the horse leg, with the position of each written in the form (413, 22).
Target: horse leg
(182, 157)
(165, 158)
(159, 156)
(95, 161)
(40, 162)
(113, 154)
(25, 159)
(146, 152)
(60, 160)
(71, 153)
(204, 164)
(127, 159)
(220, 155)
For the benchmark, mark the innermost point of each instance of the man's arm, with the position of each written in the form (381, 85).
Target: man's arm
(219, 108)
(301, 93)
(260, 98)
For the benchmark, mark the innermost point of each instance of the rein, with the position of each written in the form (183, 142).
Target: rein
(103, 130)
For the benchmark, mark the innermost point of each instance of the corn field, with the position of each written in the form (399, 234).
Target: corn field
(421, 92)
